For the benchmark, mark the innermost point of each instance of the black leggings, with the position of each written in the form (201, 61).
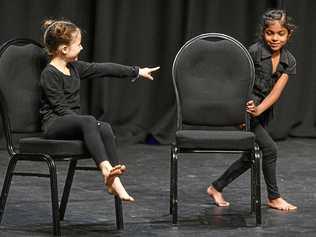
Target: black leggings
(97, 136)
(269, 157)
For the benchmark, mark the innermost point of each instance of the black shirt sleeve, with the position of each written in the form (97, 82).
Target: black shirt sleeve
(253, 51)
(291, 69)
(52, 87)
(96, 70)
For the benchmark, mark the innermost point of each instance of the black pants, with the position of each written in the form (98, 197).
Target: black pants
(269, 157)
(97, 136)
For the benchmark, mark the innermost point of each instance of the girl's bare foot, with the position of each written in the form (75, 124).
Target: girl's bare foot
(113, 183)
(281, 204)
(114, 172)
(217, 197)
(118, 189)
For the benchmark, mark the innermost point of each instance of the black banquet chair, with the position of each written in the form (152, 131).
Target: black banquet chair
(213, 75)
(21, 62)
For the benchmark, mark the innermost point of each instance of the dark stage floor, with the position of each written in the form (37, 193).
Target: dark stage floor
(91, 210)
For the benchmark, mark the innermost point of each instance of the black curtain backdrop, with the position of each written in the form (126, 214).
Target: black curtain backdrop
(149, 33)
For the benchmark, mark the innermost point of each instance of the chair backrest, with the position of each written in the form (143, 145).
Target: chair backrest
(213, 75)
(21, 63)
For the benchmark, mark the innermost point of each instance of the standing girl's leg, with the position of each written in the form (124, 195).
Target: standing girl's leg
(269, 151)
(269, 156)
(109, 142)
(235, 170)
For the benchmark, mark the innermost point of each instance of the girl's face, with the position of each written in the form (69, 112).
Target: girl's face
(71, 52)
(275, 36)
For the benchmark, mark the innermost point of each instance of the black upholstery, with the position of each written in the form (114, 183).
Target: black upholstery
(21, 62)
(213, 75)
(212, 78)
(56, 148)
(18, 86)
(215, 140)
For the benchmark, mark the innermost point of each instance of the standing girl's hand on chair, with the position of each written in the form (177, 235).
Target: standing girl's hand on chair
(146, 72)
(252, 109)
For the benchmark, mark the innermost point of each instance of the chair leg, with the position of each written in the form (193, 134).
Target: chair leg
(257, 169)
(174, 187)
(119, 213)
(66, 192)
(54, 196)
(6, 185)
(253, 186)
(171, 179)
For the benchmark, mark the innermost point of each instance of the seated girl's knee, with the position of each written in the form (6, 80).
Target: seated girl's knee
(106, 129)
(89, 119)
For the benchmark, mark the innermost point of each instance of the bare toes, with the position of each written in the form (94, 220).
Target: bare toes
(128, 199)
(223, 204)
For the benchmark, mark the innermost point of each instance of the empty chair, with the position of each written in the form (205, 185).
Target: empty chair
(213, 76)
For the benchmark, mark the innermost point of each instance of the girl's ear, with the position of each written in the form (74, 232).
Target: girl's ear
(63, 49)
(262, 36)
(289, 35)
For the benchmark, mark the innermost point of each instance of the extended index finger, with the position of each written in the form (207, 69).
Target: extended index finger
(154, 69)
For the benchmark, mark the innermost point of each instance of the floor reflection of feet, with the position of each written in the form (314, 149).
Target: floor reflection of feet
(217, 197)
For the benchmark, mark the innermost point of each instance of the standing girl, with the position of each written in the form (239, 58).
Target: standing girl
(273, 65)
(60, 109)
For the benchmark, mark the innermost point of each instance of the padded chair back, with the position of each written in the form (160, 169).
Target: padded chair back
(213, 76)
(21, 63)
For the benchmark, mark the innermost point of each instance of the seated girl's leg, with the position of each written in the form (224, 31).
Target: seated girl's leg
(114, 185)
(85, 127)
(109, 141)
(79, 127)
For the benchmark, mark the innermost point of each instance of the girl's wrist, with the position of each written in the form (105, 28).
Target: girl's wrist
(259, 110)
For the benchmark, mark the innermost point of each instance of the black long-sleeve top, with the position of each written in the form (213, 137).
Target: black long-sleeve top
(61, 92)
(264, 78)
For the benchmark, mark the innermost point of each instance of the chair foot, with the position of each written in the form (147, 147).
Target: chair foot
(67, 187)
(54, 195)
(119, 213)
(6, 185)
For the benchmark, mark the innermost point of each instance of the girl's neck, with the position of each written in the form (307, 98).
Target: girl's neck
(60, 64)
(275, 59)
(276, 54)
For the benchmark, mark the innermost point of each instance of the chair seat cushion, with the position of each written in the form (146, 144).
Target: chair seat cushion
(52, 147)
(215, 140)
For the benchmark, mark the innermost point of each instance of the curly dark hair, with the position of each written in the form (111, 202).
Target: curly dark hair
(277, 15)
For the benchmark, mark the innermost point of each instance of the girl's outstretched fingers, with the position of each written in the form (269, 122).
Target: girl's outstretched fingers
(146, 72)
